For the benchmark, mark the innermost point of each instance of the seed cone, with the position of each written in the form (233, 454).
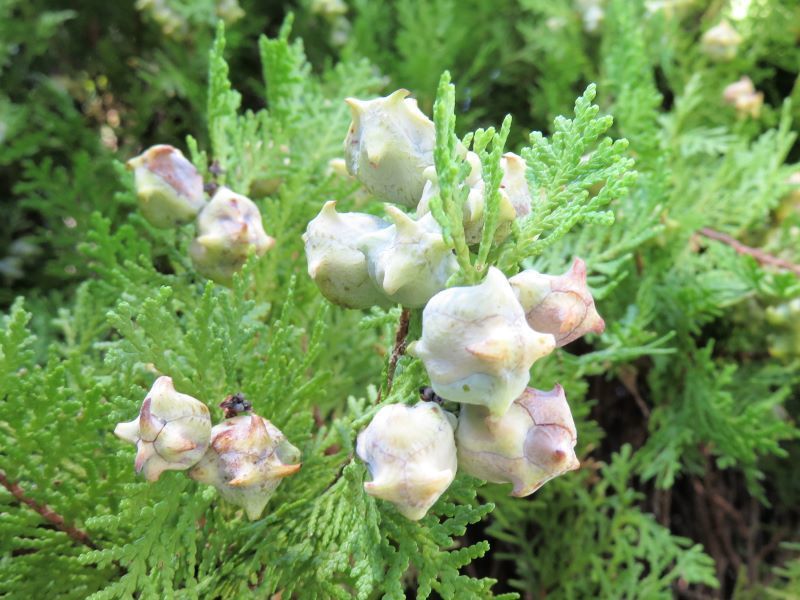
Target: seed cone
(246, 461)
(172, 431)
(411, 454)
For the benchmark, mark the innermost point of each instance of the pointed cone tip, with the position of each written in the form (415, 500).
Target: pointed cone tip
(248, 477)
(490, 349)
(398, 95)
(599, 325)
(578, 269)
(402, 221)
(128, 431)
(286, 470)
(357, 107)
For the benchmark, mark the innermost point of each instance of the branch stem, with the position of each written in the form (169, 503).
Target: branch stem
(47, 513)
(762, 257)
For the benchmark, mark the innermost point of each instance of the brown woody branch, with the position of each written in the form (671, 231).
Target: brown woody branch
(47, 513)
(398, 350)
(762, 257)
(399, 346)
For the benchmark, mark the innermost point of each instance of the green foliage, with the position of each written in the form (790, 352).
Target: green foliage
(633, 555)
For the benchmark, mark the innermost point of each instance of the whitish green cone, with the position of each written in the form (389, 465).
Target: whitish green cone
(784, 343)
(388, 147)
(335, 263)
(721, 42)
(172, 431)
(527, 446)
(246, 461)
(515, 184)
(169, 188)
(228, 230)
(477, 346)
(411, 455)
(409, 261)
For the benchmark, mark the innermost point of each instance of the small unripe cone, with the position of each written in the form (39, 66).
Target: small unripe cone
(743, 97)
(592, 14)
(246, 461)
(784, 343)
(409, 261)
(558, 304)
(790, 203)
(721, 42)
(172, 431)
(389, 145)
(474, 208)
(411, 455)
(527, 446)
(228, 229)
(169, 188)
(335, 263)
(476, 345)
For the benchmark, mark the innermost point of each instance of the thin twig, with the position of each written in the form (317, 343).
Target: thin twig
(398, 350)
(762, 257)
(47, 513)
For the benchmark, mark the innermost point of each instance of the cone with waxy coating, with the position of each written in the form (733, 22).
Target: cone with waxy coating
(411, 455)
(246, 461)
(784, 341)
(172, 431)
(408, 262)
(228, 230)
(388, 147)
(335, 263)
(558, 304)
(169, 188)
(721, 42)
(476, 345)
(527, 446)
(515, 184)
(742, 95)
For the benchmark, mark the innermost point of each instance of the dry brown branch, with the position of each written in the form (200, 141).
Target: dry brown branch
(762, 257)
(398, 350)
(47, 513)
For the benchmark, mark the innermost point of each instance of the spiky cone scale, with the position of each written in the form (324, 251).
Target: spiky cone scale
(558, 304)
(411, 454)
(335, 263)
(388, 147)
(169, 189)
(533, 442)
(721, 42)
(476, 345)
(228, 229)
(474, 208)
(171, 433)
(409, 261)
(246, 461)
